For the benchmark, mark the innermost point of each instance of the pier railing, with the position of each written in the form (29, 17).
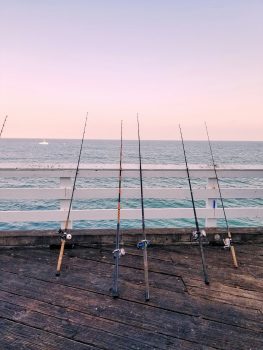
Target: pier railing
(208, 192)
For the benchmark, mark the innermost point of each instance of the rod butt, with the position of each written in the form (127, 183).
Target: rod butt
(114, 293)
(147, 296)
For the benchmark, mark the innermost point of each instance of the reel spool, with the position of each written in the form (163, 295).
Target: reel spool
(119, 252)
(195, 235)
(227, 242)
(64, 235)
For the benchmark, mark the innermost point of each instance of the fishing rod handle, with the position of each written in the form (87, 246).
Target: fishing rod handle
(146, 275)
(233, 252)
(60, 257)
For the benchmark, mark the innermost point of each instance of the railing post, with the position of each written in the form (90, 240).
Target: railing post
(66, 183)
(211, 202)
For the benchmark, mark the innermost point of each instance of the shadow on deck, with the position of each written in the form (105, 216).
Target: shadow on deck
(75, 311)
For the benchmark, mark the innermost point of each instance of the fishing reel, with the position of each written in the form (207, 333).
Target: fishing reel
(64, 235)
(118, 252)
(227, 243)
(143, 244)
(196, 235)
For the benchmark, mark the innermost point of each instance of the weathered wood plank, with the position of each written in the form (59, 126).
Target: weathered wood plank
(191, 266)
(226, 280)
(141, 316)
(17, 336)
(99, 280)
(68, 329)
(164, 280)
(143, 337)
(78, 304)
(146, 310)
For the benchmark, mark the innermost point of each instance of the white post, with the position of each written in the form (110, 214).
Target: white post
(211, 202)
(66, 183)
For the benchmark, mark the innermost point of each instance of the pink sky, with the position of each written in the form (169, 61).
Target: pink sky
(171, 61)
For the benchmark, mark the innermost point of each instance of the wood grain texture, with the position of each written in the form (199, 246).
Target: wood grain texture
(76, 310)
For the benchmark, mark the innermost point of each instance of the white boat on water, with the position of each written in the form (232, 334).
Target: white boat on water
(44, 142)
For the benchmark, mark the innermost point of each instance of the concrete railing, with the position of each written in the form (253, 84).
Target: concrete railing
(208, 192)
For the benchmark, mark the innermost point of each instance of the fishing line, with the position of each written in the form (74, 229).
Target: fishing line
(198, 235)
(144, 243)
(227, 241)
(64, 235)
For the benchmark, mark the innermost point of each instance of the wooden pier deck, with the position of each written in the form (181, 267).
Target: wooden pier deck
(75, 311)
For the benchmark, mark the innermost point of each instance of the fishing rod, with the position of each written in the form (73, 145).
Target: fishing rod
(198, 234)
(118, 252)
(227, 241)
(3, 126)
(64, 235)
(144, 243)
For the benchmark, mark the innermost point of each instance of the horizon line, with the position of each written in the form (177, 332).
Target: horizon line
(109, 139)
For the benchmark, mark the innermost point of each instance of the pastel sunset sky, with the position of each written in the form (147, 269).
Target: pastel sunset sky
(172, 61)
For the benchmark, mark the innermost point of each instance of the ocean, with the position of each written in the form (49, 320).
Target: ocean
(29, 152)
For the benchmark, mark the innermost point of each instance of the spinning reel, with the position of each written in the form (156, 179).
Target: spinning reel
(143, 244)
(195, 235)
(64, 235)
(227, 242)
(119, 252)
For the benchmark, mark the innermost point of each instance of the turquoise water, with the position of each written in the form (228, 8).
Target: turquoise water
(30, 153)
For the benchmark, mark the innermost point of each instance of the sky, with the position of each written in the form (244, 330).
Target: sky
(171, 61)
